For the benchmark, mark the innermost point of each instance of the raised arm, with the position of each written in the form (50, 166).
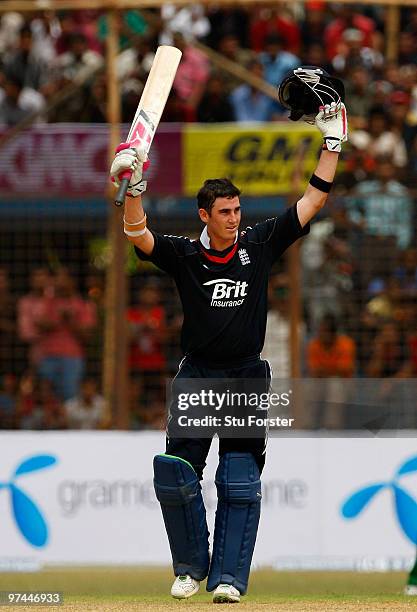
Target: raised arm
(134, 220)
(332, 123)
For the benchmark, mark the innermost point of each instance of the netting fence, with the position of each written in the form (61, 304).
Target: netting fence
(358, 285)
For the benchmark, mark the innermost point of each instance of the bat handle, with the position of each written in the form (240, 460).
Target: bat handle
(123, 187)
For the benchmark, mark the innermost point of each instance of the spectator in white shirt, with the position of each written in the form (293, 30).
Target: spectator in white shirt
(379, 139)
(86, 411)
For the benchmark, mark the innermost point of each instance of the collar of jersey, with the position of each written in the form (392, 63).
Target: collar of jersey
(212, 254)
(205, 238)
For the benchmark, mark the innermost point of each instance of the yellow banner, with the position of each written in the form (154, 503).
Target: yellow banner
(263, 159)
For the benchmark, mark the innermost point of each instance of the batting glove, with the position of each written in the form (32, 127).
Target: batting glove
(332, 123)
(129, 158)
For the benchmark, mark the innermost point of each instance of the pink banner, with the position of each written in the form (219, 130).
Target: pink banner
(71, 160)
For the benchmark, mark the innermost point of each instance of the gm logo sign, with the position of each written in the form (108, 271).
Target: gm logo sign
(405, 504)
(26, 513)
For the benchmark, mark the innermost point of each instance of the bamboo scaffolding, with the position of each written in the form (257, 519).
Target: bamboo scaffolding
(115, 337)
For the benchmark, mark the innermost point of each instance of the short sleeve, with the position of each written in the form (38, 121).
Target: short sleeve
(277, 234)
(167, 252)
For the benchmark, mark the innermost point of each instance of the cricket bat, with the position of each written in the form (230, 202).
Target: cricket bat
(151, 105)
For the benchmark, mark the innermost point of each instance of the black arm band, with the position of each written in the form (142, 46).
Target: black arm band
(320, 184)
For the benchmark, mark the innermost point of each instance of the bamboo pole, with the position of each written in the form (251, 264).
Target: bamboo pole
(392, 27)
(59, 5)
(295, 298)
(115, 351)
(294, 265)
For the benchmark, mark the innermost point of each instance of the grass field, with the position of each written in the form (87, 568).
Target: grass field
(127, 589)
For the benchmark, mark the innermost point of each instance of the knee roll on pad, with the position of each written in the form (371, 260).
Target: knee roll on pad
(237, 518)
(179, 492)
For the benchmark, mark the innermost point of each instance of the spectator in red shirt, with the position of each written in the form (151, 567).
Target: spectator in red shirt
(57, 326)
(347, 18)
(147, 335)
(279, 22)
(191, 78)
(29, 308)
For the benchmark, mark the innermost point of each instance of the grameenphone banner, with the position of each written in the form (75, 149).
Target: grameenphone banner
(88, 498)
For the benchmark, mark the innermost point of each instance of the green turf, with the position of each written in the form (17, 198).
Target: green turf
(148, 589)
(150, 582)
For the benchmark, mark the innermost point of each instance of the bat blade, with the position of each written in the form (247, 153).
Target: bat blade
(151, 106)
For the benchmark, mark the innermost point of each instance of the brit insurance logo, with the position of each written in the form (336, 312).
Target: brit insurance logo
(26, 513)
(227, 293)
(405, 505)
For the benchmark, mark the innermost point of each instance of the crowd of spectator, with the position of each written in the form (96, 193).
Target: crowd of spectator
(45, 51)
(351, 338)
(359, 262)
(51, 352)
(360, 286)
(45, 382)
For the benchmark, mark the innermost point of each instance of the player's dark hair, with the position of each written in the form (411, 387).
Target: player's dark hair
(215, 188)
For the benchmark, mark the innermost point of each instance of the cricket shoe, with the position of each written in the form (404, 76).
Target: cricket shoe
(184, 587)
(410, 589)
(226, 593)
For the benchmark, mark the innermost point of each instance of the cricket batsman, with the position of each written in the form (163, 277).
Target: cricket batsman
(223, 338)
